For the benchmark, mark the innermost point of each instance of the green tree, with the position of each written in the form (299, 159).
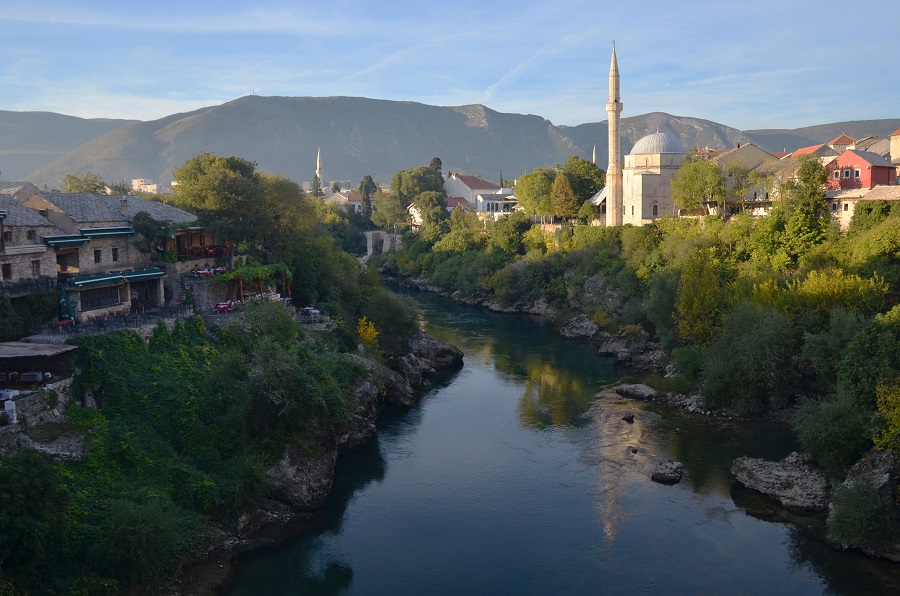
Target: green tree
(315, 189)
(87, 182)
(738, 184)
(292, 219)
(226, 193)
(533, 191)
(408, 184)
(565, 203)
(698, 183)
(436, 165)
(367, 188)
(390, 214)
(585, 177)
(697, 305)
(120, 188)
(335, 187)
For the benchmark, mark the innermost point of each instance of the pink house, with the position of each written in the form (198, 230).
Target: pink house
(859, 169)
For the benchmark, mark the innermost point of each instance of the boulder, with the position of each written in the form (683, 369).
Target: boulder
(792, 482)
(624, 346)
(629, 418)
(580, 326)
(437, 354)
(878, 469)
(302, 480)
(636, 391)
(668, 472)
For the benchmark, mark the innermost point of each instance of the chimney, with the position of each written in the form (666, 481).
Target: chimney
(123, 206)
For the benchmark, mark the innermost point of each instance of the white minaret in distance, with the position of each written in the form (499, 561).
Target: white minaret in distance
(614, 170)
(319, 166)
(594, 158)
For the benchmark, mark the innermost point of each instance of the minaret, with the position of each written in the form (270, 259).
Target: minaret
(594, 158)
(614, 206)
(319, 166)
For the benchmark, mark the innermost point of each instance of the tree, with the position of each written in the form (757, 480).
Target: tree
(585, 177)
(806, 207)
(740, 183)
(533, 191)
(389, 213)
(120, 188)
(408, 184)
(88, 182)
(292, 218)
(697, 305)
(226, 193)
(698, 183)
(335, 187)
(435, 164)
(366, 189)
(315, 189)
(562, 197)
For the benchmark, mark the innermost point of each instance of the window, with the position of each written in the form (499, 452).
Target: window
(846, 206)
(655, 210)
(30, 235)
(632, 209)
(837, 174)
(7, 236)
(99, 298)
(97, 257)
(115, 254)
(35, 268)
(7, 271)
(846, 173)
(856, 174)
(834, 206)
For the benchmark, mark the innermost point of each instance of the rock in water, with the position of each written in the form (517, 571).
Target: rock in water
(792, 481)
(579, 326)
(668, 472)
(629, 418)
(642, 392)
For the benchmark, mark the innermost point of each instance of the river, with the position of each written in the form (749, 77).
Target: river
(506, 481)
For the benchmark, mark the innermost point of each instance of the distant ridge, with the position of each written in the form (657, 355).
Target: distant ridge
(360, 136)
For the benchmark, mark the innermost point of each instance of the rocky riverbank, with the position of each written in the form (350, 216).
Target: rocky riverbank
(300, 481)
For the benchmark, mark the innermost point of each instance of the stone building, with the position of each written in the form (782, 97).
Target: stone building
(647, 178)
(25, 260)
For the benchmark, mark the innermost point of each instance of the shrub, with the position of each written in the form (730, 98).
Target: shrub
(396, 317)
(749, 367)
(835, 431)
(860, 517)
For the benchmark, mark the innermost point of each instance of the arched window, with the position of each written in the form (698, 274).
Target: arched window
(655, 209)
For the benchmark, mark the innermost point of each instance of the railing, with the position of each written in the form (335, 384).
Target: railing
(116, 322)
(28, 286)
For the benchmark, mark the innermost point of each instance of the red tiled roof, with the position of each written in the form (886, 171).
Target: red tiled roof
(896, 132)
(779, 154)
(843, 140)
(807, 150)
(474, 182)
(454, 201)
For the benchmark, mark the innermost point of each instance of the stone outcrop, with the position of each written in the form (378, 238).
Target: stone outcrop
(667, 472)
(580, 326)
(636, 391)
(624, 346)
(428, 358)
(302, 480)
(793, 482)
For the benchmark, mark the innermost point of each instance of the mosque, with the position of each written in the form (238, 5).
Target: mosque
(642, 190)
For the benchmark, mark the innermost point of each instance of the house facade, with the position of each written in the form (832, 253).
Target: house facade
(26, 263)
(859, 169)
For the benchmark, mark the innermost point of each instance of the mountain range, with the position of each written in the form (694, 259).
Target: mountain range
(357, 137)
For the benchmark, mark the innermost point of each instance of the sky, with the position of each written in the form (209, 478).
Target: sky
(749, 65)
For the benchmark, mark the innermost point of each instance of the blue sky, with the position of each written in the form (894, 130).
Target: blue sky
(760, 64)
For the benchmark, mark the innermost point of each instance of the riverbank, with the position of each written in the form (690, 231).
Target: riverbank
(301, 482)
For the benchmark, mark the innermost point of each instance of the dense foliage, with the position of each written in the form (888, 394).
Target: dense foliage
(760, 314)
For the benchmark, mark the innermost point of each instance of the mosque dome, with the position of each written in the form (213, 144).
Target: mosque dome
(659, 142)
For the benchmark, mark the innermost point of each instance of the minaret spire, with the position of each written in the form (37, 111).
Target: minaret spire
(594, 158)
(614, 206)
(319, 165)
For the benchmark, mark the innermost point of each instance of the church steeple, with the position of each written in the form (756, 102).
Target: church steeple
(614, 206)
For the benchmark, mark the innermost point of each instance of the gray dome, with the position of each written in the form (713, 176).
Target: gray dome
(659, 142)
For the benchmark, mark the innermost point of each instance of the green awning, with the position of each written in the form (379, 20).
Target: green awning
(107, 232)
(142, 274)
(66, 241)
(96, 280)
(118, 277)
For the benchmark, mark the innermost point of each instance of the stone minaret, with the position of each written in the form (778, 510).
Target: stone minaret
(594, 158)
(614, 171)
(319, 167)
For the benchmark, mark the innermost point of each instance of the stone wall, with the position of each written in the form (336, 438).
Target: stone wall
(46, 405)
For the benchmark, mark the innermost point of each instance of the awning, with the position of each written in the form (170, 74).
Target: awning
(107, 232)
(117, 277)
(96, 280)
(66, 241)
(142, 274)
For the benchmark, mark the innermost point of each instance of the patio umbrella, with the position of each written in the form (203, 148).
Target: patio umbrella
(65, 311)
